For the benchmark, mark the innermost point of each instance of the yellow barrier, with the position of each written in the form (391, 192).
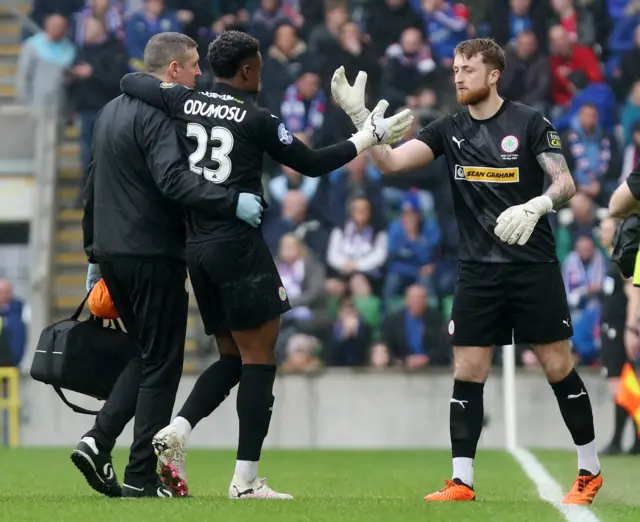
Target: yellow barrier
(11, 403)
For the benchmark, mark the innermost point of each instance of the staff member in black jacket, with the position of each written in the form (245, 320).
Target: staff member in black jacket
(134, 229)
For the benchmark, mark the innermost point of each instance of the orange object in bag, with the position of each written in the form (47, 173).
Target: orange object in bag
(100, 302)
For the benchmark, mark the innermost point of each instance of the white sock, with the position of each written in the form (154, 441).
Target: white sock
(463, 470)
(588, 457)
(183, 427)
(247, 470)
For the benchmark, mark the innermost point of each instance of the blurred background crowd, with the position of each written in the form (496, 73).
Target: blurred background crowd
(369, 262)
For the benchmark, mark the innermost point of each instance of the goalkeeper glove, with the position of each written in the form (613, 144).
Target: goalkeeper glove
(93, 275)
(516, 224)
(378, 130)
(249, 209)
(350, 98)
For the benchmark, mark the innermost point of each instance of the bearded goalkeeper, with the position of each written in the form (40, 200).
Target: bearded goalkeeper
(509, 285)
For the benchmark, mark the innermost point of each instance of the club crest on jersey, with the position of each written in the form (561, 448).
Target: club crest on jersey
(486, 174)
(510, 144)
(284, 135)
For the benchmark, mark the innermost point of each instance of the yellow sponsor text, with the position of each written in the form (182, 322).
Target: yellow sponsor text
(486, 174)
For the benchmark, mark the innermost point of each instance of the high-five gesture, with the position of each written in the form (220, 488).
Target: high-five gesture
(350, 98)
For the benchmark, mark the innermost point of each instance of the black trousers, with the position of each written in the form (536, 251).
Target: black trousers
(151, 298)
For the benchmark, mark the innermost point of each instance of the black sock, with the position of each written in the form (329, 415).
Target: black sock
(211, 388)
(255, 404)
(575, 407)
(466, 417)
(620, 422)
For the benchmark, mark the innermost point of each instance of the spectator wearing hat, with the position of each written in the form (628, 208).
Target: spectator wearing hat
(412, 241)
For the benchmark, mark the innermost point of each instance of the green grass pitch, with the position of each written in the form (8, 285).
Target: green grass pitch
(329, 486)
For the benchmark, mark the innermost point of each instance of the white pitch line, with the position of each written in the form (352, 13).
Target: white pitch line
(549, 489)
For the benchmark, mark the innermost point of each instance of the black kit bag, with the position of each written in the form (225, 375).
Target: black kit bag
(86, 357)
(625, 245)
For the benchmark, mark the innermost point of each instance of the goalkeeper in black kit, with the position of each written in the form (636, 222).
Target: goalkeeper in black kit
(509, 285)
(237, 287)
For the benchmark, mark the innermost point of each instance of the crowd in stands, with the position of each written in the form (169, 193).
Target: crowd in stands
(369, 262)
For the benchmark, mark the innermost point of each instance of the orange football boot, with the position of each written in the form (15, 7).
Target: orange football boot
(584, 489)
(455, 490)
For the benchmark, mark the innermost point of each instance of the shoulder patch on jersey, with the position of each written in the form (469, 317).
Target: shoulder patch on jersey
(554, 140)
(284, 135)
(167, 85)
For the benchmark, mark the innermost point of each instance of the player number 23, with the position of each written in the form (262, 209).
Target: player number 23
(219, 153)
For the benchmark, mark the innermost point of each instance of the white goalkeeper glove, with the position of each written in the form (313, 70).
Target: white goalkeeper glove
(378, 130)
(350, 98)
(516, 224)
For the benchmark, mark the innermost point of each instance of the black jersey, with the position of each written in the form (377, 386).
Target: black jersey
(138, 183)
(226, 135)
(613, 299)
(493, 166)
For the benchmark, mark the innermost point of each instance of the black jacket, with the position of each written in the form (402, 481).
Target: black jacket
(139, 184)
(109, 64)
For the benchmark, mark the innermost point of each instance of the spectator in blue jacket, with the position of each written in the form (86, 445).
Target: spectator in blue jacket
(153, 19)
(411, 244)
(12, 328)
(590, 151)
(447, 24)
(600, 95)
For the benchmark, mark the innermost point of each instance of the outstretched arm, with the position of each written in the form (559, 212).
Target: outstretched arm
(562, 187)
(409, 155)
(623, 203)
(288, 150)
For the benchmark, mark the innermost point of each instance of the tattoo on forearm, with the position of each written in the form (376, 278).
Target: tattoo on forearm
(562, 187)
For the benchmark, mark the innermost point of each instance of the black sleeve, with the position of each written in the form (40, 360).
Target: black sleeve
(433, 136)
(172, 175)
(543, 136)
(87, 216)
(285, 148)
(633, 182)
(168, 97)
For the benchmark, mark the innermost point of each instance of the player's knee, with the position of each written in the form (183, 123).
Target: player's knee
(556, 360)
(226, 344)
(472, 363)
(257, 346)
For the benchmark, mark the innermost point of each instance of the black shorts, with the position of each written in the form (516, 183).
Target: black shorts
(492, 301)
(236, 283)
(612, 347)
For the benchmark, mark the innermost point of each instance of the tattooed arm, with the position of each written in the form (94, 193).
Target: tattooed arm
(562, 187)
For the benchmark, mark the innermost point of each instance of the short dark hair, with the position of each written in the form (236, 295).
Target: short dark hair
(164, 48)
(229, 50)
(487, 48)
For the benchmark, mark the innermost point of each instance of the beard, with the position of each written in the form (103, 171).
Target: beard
(469, 97)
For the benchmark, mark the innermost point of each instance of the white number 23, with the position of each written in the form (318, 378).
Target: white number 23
(219, 153)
